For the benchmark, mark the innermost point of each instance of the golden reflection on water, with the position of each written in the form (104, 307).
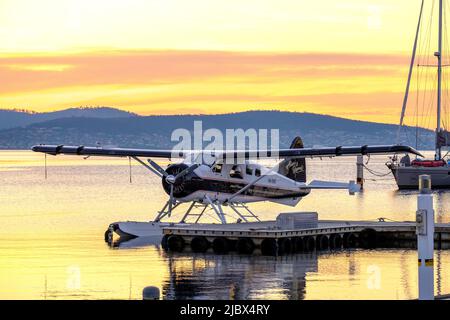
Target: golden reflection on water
(51, 239)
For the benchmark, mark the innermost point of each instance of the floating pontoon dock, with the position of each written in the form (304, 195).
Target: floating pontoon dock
(268, 239)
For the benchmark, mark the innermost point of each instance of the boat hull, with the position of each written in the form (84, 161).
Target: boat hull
(407, 177)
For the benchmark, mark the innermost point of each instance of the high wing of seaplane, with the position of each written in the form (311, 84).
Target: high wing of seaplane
(225, 181)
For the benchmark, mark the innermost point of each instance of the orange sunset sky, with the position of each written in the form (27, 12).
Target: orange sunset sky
(347, 58)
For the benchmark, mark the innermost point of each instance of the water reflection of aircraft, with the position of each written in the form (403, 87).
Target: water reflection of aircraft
(238, 277)
(196, 276)
(212, 179)
(137, 242)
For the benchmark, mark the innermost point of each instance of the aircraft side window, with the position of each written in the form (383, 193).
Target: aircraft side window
(217, 168)
(249, 170)
(257, 172)
(235, 172)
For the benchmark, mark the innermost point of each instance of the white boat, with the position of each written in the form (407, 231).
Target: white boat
(405, 170)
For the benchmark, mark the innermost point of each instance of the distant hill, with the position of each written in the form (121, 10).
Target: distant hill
(155, 131)
(20, 118)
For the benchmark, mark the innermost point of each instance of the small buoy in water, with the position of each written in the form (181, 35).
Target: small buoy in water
(150, 293)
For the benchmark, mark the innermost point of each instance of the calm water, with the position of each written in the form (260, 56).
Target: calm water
(51, 239)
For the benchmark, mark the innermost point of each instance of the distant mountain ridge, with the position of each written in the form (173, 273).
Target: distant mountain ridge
(20, 118)
(131, 130)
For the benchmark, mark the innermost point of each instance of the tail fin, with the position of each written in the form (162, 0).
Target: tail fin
(295, 169)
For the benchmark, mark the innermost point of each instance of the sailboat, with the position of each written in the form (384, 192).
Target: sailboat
(405, 170)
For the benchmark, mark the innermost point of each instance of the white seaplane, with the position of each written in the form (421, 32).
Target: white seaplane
(230, 179)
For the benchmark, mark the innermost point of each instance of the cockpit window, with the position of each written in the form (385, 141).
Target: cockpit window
(217, 168)
(257, 172)
(236, 172)
(248, 170)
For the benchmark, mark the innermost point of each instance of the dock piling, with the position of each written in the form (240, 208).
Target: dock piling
(360, 170)
(425, 238)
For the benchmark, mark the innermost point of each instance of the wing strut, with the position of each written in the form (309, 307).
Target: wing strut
(147, 166)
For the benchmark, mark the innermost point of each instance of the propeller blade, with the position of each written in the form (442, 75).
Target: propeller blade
(171, 199)
(157, 167)
(186, 171)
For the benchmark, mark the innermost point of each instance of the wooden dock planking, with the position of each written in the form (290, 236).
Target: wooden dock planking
(268, 229)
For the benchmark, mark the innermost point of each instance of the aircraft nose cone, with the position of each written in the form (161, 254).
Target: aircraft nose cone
(170, 179)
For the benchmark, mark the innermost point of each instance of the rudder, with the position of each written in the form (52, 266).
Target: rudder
(295, 169)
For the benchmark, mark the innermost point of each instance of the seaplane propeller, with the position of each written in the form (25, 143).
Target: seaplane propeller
(173, 176)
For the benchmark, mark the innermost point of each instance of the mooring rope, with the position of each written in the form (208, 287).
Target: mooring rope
(377, 179)
(375, 173)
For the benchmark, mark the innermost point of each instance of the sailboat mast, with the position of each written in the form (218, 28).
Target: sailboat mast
(439, 57)
(411, 66)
